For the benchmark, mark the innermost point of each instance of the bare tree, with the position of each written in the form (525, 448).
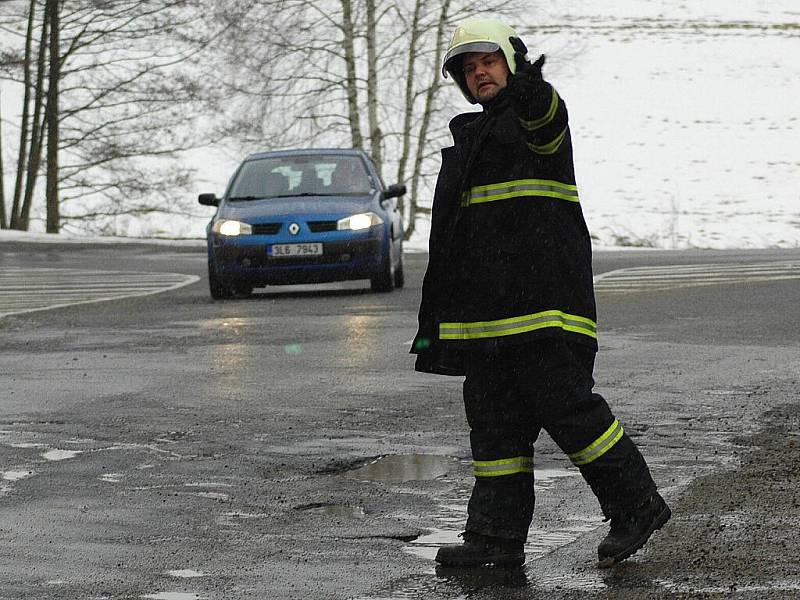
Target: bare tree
(348, 36)
(117, 96)
(22, 63)
(358, 72)
(3, 219)
(52, 115)
(22, 156)
(375, 133)
(117, 90)
(37, 131)
(428, 112)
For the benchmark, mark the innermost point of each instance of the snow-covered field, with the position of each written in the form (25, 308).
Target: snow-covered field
(684, 121)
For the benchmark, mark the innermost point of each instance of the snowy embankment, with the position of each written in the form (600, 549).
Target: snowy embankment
(684, 123)
(7, 235)
(686, 127)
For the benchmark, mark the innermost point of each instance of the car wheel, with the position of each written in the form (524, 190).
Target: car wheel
(384, 281)
(219, 291)
(399, 273)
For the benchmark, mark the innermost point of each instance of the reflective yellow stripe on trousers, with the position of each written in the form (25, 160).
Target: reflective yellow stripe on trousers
(547, 188)
(514, 325)
(598, 447)
(505, 466)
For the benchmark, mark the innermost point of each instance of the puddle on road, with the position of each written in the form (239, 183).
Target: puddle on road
(208, 484)
(235, 518)
(20, 439)
(464, 583)
(699, 591)
(111, 477)
(544, 479)
(586, 581)
(212, 495)
(457, 584)
(334, 510)
(398, 468)
(540, 542)
(77, 440)
(488, 583)
(173, 596)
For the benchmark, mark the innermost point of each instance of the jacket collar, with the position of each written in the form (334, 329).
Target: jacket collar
(504, 128)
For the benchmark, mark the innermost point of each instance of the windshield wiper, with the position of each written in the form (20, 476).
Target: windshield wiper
(266, 196)
(303, 194)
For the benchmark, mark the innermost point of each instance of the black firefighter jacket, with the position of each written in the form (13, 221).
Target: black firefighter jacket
(509, 251)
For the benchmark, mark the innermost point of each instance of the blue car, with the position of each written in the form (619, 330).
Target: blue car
(304, 216)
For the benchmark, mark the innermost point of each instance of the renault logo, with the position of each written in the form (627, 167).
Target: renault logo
(294, 228)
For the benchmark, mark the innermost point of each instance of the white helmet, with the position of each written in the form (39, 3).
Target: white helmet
(477, 35)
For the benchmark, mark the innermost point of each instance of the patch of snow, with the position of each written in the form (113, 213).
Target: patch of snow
(185, 573)
(15, 475)
(55, 454)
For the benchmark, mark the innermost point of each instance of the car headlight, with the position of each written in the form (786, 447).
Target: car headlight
(232, 228)
(359, 221)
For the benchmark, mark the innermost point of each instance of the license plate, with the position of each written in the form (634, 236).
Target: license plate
(290, 250)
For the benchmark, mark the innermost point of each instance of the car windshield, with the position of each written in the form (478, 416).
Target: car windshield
(303, 175)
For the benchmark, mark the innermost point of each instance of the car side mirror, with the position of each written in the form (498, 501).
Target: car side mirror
(395, 190)
(208, 199)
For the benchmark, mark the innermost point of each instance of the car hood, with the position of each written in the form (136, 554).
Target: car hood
(306, 205)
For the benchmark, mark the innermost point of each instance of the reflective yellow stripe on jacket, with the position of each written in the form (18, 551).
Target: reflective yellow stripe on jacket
(514, 325)
(504, 466)
(598, 447)
(546, 119)
(521, 187)
(552, 147)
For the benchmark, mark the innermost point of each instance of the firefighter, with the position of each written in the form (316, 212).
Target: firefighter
(508, 302)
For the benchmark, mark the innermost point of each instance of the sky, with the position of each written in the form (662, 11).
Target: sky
(684, 120)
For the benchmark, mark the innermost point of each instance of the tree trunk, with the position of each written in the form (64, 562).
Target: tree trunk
(351, 84)
(430, 100)
(35, 157)
(51, 115)
(408, 115)
(23, 130)
(375, 134)
(3, 222)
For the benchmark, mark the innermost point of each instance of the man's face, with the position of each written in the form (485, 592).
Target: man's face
(485, 74)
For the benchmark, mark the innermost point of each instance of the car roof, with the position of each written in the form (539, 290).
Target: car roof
(308, 152)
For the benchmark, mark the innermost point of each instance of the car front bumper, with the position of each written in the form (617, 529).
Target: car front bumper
(248, 262)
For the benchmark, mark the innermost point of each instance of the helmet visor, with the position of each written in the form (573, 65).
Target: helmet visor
(482, 46)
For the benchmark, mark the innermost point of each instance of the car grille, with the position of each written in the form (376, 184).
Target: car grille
(317, 226)
(266, 228)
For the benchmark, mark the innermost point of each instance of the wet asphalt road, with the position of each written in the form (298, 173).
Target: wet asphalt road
(173, 447)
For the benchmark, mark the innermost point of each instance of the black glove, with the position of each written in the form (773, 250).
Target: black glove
(524, 67)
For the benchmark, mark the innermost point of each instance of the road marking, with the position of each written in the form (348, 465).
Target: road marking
(24, 290)
(639, 279)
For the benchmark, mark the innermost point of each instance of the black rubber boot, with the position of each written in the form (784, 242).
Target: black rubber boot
(478, 550)
(629, 532)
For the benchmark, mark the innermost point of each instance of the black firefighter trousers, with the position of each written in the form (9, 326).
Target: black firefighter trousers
(510, 394)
